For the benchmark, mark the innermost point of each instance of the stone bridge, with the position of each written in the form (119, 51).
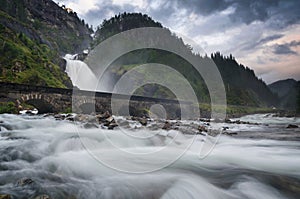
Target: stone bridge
(57, 100)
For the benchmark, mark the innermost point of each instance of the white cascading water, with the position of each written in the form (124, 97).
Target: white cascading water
(80, 74)
(50, 152)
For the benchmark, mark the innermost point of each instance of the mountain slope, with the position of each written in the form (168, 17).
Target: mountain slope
(34, 35)
(242, 86)
(287, 91)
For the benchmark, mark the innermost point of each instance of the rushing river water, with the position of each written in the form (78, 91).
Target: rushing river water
(262, 161)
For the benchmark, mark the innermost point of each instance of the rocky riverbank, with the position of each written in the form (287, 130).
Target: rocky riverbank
(201, 126)
(45, 156)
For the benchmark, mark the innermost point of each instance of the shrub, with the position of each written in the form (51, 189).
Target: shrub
(8, 107)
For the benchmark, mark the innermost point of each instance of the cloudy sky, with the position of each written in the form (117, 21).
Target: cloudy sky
(261, 34)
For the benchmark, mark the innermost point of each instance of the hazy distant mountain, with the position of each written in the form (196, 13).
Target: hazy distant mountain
(287, 91)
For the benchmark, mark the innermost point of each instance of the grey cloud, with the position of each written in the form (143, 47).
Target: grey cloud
(97, 16)
(287, 13)
(282, 49)
(204, 7)
(270, 38)
(294, 43)
(278, 13)
(246, 11)
(249, 11)
(253, 45)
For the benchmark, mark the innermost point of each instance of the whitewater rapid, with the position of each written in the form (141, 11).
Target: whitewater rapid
(52, 154)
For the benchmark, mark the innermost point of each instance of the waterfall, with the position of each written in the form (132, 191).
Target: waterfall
(80, 74)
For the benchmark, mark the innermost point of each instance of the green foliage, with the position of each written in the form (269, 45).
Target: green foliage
(27, 106)
(298, 99)
(68, 110)
(236, 111)
(242, 86)
(27, 62)
(8, 107)
(123, 22)
(62, 31)
(40, 32)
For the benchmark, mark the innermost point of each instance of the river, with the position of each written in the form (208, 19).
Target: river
(261, 161)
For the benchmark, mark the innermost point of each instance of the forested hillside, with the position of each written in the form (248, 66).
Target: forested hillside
(242, 85)
(288, 93)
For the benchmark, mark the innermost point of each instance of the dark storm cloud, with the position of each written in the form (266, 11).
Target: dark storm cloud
(280, 13)
(204, 7)
(247, 11)
(285, 49)
(277, 14)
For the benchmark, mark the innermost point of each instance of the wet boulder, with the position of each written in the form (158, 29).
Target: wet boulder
(202, 129)
(24, 182)
(101, 118)
(5, 196)
(292, 126)
(44, 196)
(110, 123)
(90, 125)
(59, 117)
(230, 133)
(111, 126)
(167, 126)
(143, 121)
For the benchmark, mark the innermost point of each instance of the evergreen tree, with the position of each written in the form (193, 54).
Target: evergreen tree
(298, 99)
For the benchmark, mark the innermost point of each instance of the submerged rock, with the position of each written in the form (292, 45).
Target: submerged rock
(202, 129)
(143, 121)
(25, 181)
(5, 196)
(42, 197)
(123, 123)
(90, 125)
(225, 128)
(6, 126)
(167, 126)
(292, 126)
(110, 119)
(59, 117)
(105, 115)
(111, 126)
(230, 133)
(81, 118)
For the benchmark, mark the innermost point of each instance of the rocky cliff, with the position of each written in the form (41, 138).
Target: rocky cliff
(34, 35)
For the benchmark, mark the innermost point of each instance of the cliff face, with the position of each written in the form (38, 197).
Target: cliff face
(48, 23)
(34, 35)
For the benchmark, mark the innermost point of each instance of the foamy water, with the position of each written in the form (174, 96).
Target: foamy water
(54, 155)
(80, 74)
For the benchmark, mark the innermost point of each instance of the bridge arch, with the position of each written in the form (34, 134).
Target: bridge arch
(40, 102)
(84, 105)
